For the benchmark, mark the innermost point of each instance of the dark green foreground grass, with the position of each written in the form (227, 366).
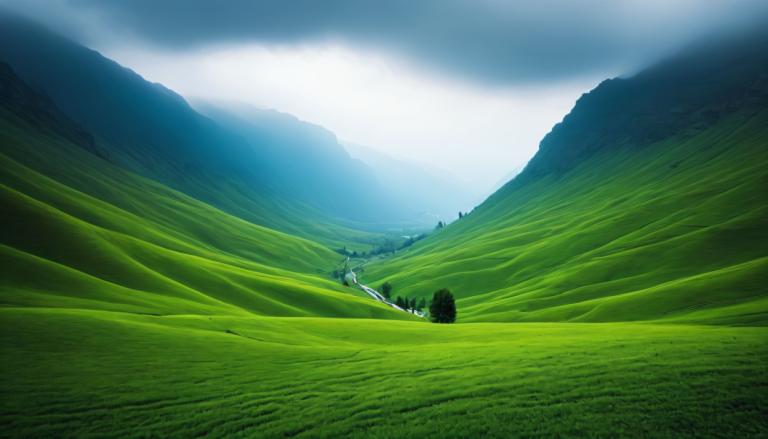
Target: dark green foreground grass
(97, 373)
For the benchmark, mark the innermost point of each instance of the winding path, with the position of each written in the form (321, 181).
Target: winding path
(378, 296)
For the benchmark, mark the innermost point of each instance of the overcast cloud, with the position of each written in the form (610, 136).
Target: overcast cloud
(468, 85)
(486, 40)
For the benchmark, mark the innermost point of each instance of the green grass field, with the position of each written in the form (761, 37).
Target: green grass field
(670, 231)
(112, 374)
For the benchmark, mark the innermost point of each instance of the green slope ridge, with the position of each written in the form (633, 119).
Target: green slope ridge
(611, 224)
(79, 232)
(151, 131)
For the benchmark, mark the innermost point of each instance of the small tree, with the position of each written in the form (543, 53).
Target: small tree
(443, 307)
(386, 290)
(461, 215)
(399, 302)
(422, 304)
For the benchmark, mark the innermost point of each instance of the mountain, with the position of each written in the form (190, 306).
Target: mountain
(431, 194)
(80, 232)
(306, 162)
(279, 173)
(684, 94)
(647, 202)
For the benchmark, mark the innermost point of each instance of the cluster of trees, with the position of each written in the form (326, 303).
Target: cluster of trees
(441, 224)
(412, 240)
(411, 304)
(406, 303)
(388, 246)
(343, 251)
(442, 308)
(351, 254)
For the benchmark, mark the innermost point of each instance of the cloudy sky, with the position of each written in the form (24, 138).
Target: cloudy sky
(470, 86)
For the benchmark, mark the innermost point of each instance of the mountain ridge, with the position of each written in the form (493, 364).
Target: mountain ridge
(81, 232)
(152, 131)
(604, 226)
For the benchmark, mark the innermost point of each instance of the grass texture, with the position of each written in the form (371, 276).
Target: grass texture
(112, 374)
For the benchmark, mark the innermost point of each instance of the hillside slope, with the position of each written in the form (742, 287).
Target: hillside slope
(150, 130)
(79, 232)
(647, 202)
(306, 162)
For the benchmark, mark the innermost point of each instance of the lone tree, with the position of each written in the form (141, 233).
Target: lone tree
(386, 290)
(443, 307)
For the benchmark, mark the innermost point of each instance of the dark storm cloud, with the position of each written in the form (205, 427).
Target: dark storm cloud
(488, 40)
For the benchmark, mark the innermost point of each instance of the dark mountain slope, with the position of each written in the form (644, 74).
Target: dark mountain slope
(76, 231)
(148, 129)
(681, 96)
(38, 111)
(306, 162)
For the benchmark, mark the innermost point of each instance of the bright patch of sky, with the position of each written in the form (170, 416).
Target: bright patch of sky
(477, 132)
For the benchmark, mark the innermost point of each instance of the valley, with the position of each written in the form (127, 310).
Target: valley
(178, 270)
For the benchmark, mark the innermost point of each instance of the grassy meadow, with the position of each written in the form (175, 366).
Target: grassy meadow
(109, 374)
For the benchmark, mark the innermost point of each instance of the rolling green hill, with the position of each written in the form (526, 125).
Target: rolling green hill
(80, 232)
(649, 201)
(283, 174)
